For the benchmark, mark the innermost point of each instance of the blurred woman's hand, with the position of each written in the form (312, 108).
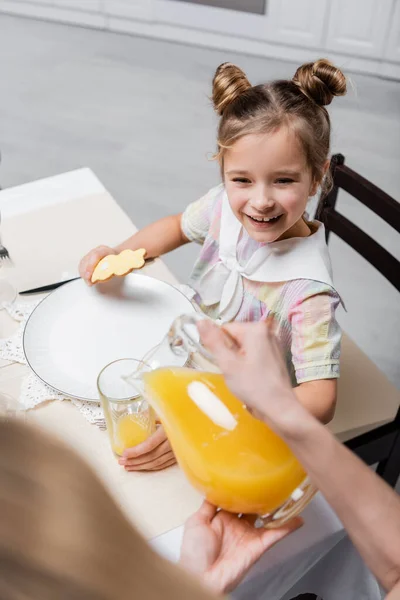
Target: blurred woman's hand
(220, 548)
(252, 364)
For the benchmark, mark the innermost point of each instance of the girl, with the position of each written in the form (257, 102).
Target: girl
(260, 256)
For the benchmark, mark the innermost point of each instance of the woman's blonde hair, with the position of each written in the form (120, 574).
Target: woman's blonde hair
(62, 535)
(298, 103)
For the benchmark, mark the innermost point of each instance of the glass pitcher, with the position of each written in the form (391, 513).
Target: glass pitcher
(235, 460)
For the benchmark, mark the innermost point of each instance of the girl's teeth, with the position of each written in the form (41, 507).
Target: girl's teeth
(264, 219)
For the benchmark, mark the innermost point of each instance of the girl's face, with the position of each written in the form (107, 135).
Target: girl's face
(268, 184)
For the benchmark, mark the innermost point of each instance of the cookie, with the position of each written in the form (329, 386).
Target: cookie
(118, 264)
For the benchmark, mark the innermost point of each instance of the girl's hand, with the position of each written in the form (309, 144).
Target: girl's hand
(153, 454)
(219, 548)
(92, 258)
(251, 361)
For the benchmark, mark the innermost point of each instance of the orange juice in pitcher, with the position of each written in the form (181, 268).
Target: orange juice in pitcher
(234, 459)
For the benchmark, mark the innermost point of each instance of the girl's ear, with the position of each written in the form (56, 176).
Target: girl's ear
(314, 188)
(326, 166)
(315, 184)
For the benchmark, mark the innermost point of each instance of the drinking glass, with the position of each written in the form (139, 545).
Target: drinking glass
(7, 292)
(129, 417)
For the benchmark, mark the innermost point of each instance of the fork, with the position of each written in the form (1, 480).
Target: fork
(4, 254)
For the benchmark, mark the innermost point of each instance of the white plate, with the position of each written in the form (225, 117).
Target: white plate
(75, 331)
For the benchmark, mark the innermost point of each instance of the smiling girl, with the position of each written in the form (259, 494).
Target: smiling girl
(260, 256)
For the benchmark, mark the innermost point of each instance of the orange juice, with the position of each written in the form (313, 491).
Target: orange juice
(131, 430)
(235, 460)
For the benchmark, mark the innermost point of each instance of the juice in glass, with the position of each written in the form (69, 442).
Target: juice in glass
(131, 430)
(130, 419)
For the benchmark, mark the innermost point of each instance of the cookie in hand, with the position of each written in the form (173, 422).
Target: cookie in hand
(118, 264)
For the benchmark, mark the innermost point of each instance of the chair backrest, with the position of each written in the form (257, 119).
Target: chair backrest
(381, 445)
(376, 200)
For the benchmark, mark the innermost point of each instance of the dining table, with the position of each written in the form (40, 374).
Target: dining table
(47, 226)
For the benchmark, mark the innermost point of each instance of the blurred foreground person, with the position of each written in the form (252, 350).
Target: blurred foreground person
(62, 536)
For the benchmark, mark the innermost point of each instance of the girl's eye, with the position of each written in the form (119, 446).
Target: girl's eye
(241, 180)
(284, 180)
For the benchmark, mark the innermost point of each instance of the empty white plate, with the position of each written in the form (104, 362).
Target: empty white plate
(75, 331)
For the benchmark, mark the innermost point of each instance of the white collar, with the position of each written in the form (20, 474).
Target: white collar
(285, 260)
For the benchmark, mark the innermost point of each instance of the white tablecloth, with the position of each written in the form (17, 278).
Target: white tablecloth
(340, 574)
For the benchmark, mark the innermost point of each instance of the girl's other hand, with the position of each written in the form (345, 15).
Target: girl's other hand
(92, 258)
(154, 454)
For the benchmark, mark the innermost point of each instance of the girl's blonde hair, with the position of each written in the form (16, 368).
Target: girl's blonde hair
(297, 103)
(62, 535)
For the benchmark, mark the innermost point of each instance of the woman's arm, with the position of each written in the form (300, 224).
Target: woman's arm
(367, 506)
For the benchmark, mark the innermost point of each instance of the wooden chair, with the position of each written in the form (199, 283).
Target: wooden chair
(382, 444)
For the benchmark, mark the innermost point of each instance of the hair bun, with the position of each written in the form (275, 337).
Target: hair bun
(228, 83)
(320, 81)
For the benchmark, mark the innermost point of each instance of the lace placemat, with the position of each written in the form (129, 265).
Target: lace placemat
(33, 390)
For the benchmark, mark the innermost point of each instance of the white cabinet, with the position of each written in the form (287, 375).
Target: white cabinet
(210, 19)
(79, 12)
(129, 9)
(296, 23)
(8, 5)
(359, 28)
(362, 35)
(291, 22)
(392, 49)
(83, 5)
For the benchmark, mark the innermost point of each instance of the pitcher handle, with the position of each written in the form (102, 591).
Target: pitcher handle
(183, 336)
